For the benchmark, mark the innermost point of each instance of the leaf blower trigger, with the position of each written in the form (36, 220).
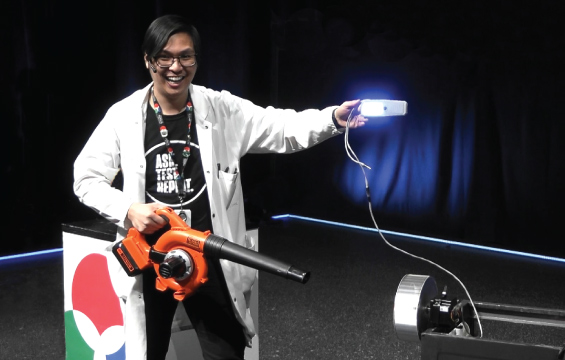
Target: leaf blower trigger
(179, 256)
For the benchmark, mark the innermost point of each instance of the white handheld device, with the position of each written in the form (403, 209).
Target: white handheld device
(373, 108)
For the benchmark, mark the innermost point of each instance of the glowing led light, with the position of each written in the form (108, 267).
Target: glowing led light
(375, 108)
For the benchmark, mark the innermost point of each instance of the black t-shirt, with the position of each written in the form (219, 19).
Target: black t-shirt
(160, 183)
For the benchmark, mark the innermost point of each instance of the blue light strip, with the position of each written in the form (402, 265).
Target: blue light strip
(425, 238)
(29, 256)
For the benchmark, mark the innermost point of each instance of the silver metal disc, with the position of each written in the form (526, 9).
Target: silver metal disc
(412, 297)
(187, 261)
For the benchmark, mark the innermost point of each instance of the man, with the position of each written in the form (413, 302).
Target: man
(179, 145)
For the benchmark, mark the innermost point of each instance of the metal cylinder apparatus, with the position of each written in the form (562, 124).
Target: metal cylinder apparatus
(411, 306)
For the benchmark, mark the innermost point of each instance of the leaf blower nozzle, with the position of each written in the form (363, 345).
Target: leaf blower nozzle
(219, 247)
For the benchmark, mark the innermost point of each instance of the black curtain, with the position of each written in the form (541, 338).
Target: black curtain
(478, 158)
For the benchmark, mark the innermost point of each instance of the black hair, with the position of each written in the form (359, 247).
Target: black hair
(162, 28)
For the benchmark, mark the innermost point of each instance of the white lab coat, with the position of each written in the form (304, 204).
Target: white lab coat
(228, 128)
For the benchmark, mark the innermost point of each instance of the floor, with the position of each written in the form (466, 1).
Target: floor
(345, 310)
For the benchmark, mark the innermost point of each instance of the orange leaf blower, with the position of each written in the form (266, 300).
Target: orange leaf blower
(178, 256)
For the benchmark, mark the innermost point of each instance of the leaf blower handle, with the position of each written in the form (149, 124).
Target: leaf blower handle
(218, 247)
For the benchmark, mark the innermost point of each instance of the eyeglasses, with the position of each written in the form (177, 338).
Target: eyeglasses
(164, 61)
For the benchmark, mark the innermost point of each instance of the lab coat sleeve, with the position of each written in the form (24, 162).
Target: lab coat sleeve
(267, 130)
(94, 170)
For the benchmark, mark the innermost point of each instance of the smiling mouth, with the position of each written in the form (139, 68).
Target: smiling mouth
(174, 79)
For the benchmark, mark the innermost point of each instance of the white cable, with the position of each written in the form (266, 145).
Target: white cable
(350, 151)
(362, 165)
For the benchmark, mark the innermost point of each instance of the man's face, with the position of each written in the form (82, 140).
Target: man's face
(171, 83)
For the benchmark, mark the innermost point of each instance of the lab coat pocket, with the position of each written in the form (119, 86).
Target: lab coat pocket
(229, 183)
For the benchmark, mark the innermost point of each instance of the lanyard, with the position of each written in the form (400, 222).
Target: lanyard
(179, 174)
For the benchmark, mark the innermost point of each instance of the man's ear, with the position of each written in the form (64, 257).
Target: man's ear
(146, 61)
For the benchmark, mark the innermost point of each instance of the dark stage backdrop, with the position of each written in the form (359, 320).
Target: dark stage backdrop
(479, 157)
